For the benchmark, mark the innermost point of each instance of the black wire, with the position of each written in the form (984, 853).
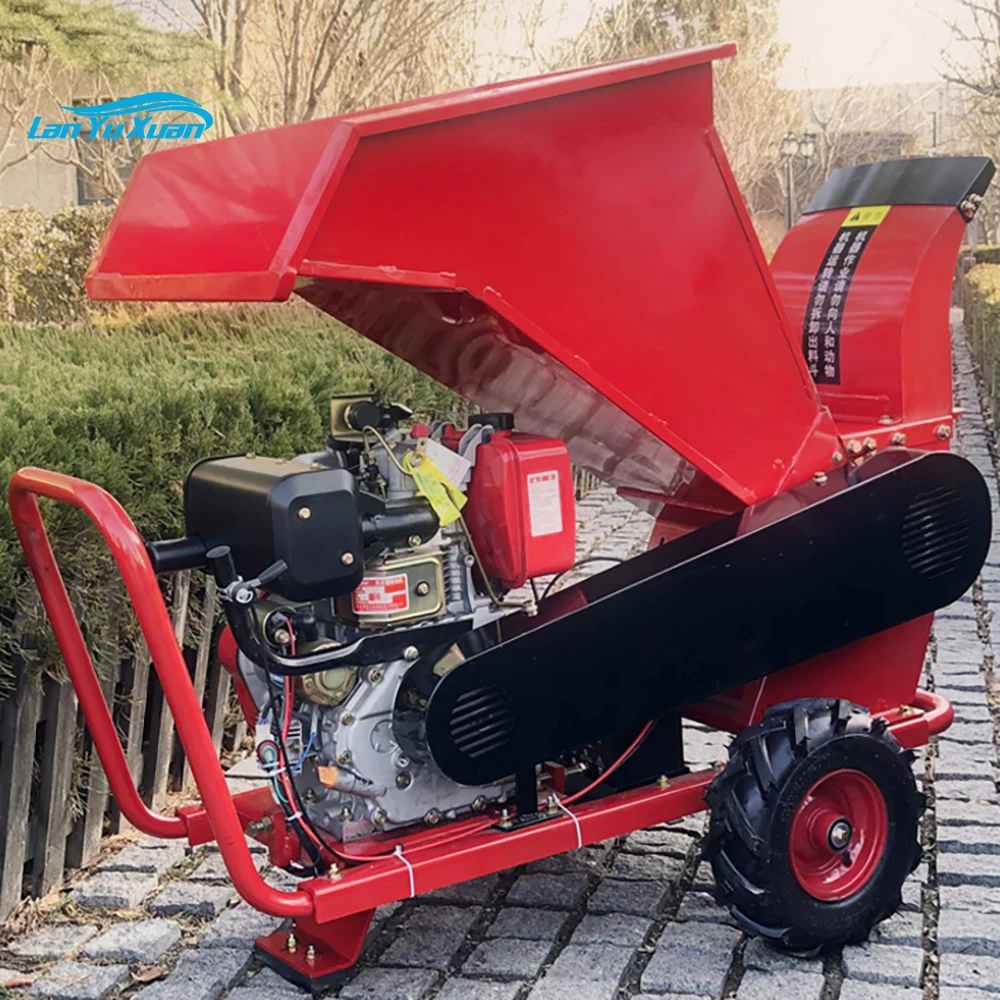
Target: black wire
(318, 867)
(582, 562)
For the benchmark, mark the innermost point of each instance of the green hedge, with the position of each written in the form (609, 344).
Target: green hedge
(987, 255)
(981, 300)
(131, 403)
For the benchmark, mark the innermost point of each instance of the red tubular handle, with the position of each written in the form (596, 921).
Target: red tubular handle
(140, 581)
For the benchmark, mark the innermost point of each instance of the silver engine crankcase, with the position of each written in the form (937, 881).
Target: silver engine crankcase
(380, 788)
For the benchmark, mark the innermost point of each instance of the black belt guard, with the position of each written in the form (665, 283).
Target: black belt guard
(787, 579)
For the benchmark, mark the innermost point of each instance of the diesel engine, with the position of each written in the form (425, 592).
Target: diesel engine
(339, 570)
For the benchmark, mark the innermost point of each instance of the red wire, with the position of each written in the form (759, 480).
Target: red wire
(607, 772)
(603, 776)
(286, 781)
(283, 777)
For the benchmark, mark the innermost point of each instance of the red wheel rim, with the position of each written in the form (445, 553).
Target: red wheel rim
(843, 808)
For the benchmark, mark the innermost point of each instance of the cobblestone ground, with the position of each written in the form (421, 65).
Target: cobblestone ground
(630, 918)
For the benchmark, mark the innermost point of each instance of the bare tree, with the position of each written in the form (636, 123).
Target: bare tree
(23, 67)
(281, 61)
(975, 69)
(850, 124)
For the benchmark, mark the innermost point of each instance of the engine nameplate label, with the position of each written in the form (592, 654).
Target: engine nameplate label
(544, 504)
(379, 595)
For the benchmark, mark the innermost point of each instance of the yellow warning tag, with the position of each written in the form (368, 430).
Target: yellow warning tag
(869, 215)
(442, 494)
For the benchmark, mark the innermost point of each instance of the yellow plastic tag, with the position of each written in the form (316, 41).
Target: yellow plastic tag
(868, 215)
(442, 494)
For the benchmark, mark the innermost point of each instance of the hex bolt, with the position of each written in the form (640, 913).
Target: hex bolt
(403, 779)
(837, 457)
(411, 653)
(663, 781)
(259, 826)
(898, 439)
(423, 588)
(870, 444)
(292, 944)
(310, 795)
(346, 718)
(414, 541)
(347, 558)
(854, 447)
(344, 757)
(479, 804)
(943, 432)
(282, 636)
(305, 513)
(820, 479)
(374, 675)
(346, 815)
(310, 954)
(839, 835)
(379, 817)
(432, 817)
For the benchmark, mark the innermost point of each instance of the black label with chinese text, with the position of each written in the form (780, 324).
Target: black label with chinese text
(825, 311)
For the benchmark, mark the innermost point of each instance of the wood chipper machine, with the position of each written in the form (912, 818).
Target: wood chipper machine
(572, 255)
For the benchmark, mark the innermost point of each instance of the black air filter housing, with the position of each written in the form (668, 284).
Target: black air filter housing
(266, 509)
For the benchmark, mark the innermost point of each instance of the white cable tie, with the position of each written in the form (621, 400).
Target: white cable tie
(294, 817)
(399, 854)
(576, 822)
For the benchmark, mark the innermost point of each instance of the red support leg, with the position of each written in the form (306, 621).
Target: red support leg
(316, 956)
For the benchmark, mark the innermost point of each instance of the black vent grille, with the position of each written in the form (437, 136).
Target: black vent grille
(936, 532)
(481, 721)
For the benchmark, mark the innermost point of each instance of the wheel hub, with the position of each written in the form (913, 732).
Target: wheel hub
(838, 835)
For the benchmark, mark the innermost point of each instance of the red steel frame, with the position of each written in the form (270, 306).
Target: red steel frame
(332, 913)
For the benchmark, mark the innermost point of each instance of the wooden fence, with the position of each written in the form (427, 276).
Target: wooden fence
(54, 801)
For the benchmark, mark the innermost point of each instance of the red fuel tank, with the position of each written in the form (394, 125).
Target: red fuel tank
(521, 510)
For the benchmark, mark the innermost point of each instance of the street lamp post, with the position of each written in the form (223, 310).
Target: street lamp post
(794, 148)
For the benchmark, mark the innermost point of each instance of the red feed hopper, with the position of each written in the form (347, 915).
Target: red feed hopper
(572, 248)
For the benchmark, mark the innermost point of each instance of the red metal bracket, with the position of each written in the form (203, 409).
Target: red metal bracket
(140, 581)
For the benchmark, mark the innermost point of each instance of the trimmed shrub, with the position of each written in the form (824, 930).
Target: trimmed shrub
(43, 260)
(981, 300)
(987, 255)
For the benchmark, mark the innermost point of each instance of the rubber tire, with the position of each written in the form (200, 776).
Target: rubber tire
(753, 801)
